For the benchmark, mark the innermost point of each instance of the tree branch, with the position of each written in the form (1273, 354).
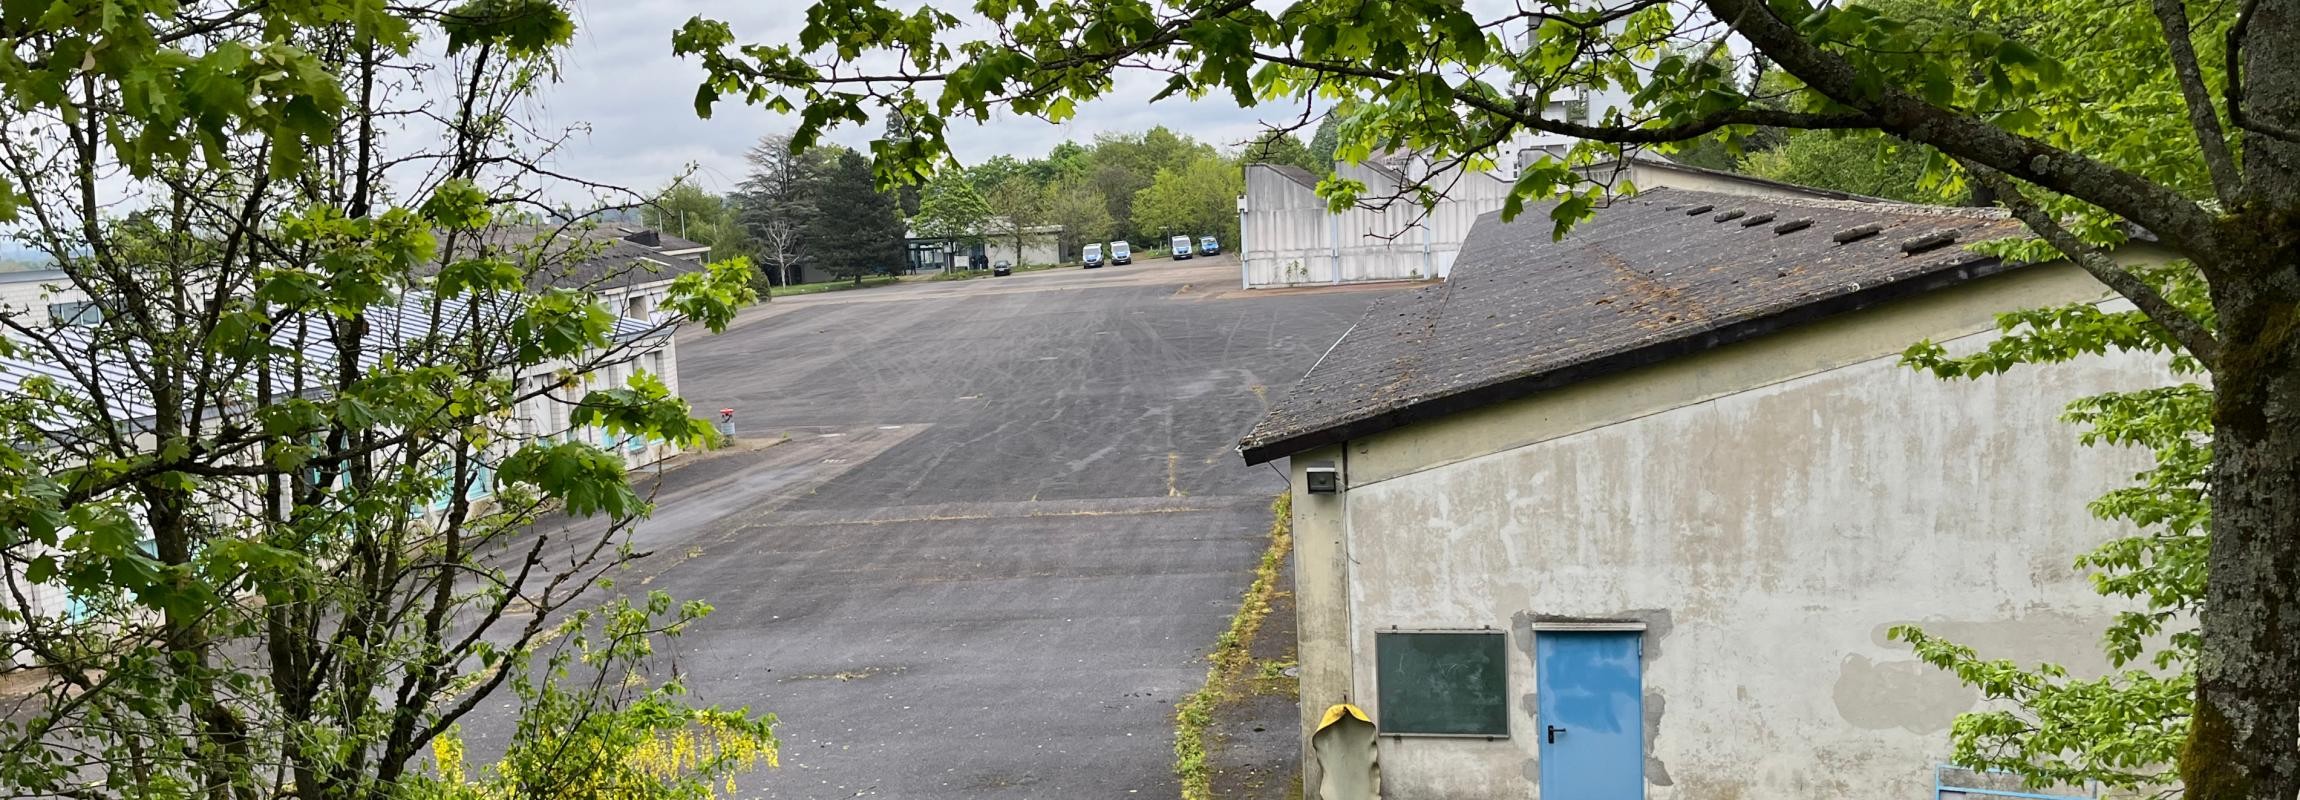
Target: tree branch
(2184, 328)
(2234, 96)
(2227, 182)
(1518, 113)
(2167, 213)
(207, 26)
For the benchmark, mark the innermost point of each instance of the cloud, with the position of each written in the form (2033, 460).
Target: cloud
(635, 102)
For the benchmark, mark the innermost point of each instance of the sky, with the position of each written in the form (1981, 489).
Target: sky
(637, 100)
(630, 104)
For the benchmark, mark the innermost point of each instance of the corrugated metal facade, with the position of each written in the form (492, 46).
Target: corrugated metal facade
(1291, 240)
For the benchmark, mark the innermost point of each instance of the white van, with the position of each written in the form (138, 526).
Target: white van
(1120, 253)
(1094, 255)
(1181, 248)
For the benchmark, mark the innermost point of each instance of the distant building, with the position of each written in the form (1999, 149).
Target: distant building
(46, 292)
(404, 326)
(1291, 238)
(1040, 244)
(1628, 515)
(630, 269)
(1288, 237)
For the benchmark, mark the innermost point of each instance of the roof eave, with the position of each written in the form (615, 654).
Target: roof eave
(1526, 385)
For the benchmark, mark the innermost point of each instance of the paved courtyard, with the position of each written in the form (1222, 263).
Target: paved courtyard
(1006, 525)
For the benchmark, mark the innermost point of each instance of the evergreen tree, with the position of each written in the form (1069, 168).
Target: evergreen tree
(864, 236)
(1323, 143)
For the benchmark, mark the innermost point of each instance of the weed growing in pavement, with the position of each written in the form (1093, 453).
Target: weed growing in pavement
(1233, 652)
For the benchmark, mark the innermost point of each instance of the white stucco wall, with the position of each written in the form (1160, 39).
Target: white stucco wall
(640, 301)
(547, 415)
(29, 293)
(1038, 247)
(1770, 510)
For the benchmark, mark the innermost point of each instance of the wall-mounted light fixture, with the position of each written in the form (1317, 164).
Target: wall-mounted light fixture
(1322, 478)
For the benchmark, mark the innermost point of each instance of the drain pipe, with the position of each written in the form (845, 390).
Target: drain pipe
(1245, 278)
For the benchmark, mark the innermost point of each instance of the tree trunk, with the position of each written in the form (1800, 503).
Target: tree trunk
(2245, 736)
(2244, 740)
(2271, 83)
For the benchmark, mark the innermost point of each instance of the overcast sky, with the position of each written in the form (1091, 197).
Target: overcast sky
(638, 101)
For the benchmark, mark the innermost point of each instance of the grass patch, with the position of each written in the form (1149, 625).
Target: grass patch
(1232, 658)
(830, 286)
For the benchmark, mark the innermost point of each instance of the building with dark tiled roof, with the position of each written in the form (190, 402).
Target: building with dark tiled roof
(630, 268)
(60, 349)
(1628, 514)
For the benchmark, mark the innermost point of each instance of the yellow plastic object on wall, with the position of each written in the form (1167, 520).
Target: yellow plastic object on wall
(1348, 761)
(1335, 714)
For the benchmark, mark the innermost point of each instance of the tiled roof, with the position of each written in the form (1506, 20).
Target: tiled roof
(592, 258)
(1299, 176)
(1666, 273)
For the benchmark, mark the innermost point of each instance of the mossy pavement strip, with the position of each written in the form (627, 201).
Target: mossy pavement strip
(1234, 737)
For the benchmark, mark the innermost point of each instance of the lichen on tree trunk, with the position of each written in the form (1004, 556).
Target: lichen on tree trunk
(2244, 739)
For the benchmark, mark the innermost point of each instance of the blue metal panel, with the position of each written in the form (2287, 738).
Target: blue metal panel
(1591, 715)
(1942, 789)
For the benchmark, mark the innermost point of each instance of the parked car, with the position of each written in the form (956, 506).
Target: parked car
(1121, 253)
(1181, 248)
(1093, 255)
(1002, 268)
(1208, 247)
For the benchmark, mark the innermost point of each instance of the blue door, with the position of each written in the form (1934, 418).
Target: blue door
(1592, 714)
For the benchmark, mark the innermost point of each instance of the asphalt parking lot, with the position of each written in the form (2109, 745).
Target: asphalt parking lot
(1007, 523)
